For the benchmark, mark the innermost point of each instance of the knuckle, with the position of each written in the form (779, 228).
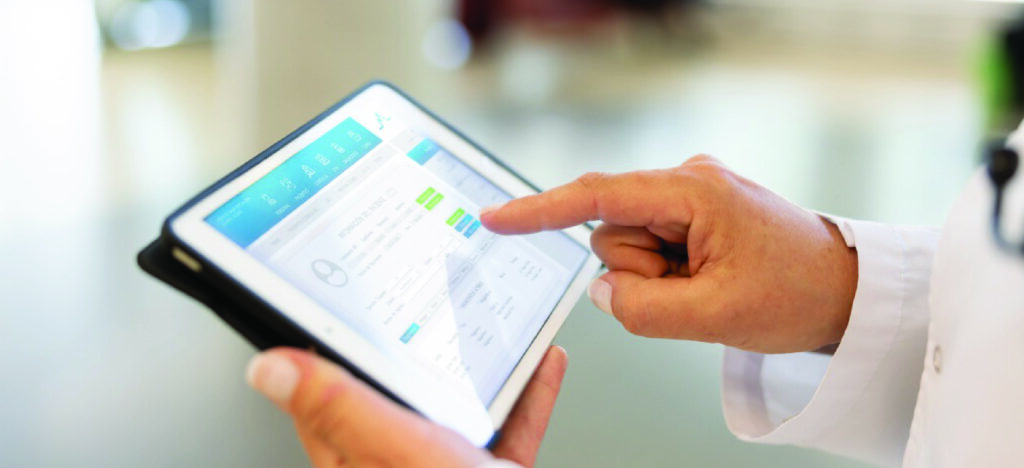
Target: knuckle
(591, 179)
(590, 183)
(712, 170)
(602, 232)
(700, 158)
(712, 175)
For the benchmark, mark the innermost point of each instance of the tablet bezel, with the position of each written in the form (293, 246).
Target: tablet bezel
(188, 228)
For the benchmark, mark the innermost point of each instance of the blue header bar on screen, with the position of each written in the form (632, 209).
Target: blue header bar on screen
(263, 204)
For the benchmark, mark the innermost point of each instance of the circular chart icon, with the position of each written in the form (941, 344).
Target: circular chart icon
(330, 273)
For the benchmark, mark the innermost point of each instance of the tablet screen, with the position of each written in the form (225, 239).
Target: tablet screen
(378, 223)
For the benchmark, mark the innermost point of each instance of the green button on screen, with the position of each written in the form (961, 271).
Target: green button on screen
(455, 217)
(434, 201)
(425, 195)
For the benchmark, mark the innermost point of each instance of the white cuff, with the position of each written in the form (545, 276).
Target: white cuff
(864, 402)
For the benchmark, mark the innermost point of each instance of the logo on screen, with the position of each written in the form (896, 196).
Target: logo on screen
(381, 120)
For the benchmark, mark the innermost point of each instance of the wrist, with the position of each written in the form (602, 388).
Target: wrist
(843, 260)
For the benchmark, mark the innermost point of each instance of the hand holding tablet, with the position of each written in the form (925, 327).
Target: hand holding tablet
(340, 418)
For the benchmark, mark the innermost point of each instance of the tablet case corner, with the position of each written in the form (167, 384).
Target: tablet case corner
(156, 260)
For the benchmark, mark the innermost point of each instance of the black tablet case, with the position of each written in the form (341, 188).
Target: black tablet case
(256, 321)
(241, 314)
(156, 260)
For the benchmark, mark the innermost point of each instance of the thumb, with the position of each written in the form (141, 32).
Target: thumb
(525, 426)
(664, 307)
(326, 401)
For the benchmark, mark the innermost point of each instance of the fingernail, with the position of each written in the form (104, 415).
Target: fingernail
(273, 375)
(490, 209)
(601, 293)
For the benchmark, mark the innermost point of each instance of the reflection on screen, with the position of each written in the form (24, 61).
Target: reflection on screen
(378, 223)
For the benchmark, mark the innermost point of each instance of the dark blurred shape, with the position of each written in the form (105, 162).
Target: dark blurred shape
(648, 6)
(1013, 43)
(483, 18)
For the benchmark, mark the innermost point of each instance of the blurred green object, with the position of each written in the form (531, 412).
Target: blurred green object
(997, 87)
(1000, 67)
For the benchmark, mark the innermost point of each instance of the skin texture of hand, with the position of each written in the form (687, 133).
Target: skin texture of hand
(342, 422)
(697, 252)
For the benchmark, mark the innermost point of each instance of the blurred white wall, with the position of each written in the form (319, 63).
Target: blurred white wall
(49, 119)
(290, 60)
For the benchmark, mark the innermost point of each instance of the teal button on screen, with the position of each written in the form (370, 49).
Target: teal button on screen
(424, 151)
(410, 332)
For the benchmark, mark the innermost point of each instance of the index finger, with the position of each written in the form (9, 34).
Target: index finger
(629, 199)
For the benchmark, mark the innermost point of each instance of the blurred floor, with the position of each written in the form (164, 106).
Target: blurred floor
(105, 367)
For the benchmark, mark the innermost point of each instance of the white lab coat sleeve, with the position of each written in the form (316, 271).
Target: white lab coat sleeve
(860, 401)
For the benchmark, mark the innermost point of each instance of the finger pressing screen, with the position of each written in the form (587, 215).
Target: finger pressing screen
(631, 199)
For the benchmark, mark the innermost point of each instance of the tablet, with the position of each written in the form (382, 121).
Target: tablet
(361, 230)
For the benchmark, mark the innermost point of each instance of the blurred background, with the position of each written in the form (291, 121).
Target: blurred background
(114, 112)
